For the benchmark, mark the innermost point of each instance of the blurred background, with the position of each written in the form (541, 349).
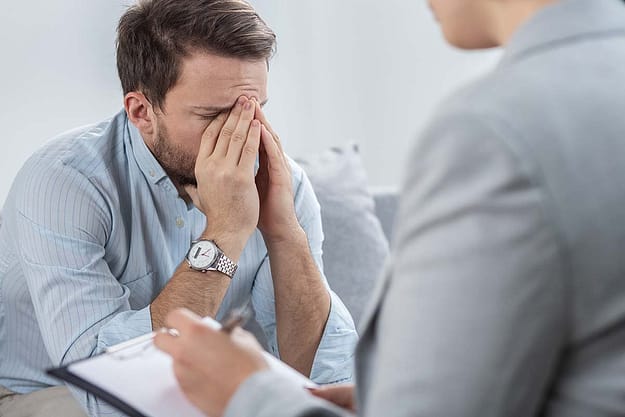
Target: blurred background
(364, 71)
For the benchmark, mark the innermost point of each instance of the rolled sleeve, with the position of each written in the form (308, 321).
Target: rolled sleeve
(125, 326)
(334, 358)
(334, 361)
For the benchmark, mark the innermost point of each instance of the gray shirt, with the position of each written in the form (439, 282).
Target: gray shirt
(505, 293)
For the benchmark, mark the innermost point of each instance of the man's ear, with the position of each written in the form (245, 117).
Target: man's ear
(140, 113)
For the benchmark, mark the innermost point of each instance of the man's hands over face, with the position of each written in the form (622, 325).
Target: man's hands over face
(209, 364)
(277, 220)
(235, 202)
(226, 192)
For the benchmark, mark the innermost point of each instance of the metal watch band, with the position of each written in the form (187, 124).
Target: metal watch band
(225, 265)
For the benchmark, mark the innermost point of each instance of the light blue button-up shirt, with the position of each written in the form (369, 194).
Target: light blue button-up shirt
(92, 231)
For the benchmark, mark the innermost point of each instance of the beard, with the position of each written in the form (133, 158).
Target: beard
(178, 164)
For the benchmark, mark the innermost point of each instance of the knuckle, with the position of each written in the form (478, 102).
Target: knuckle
(227, 131)
(211, 131)
(241, 179)
(210, 165)
(222, 174)
(238, 137)
(250, 150)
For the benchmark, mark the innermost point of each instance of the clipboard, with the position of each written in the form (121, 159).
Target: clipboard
(139, 380)
(64, 374)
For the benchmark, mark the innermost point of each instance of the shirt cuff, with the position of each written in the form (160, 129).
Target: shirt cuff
(268, 394)
(124, 326)
(334, 360)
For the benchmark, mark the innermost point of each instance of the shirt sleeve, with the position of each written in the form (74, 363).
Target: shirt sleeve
(63, 223)
(334, 358)
(267, 394)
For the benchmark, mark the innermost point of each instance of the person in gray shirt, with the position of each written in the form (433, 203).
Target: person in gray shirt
(505, 291)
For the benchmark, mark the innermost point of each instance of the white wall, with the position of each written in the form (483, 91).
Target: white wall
(364, 70)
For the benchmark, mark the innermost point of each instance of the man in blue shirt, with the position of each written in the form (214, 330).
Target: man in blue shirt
(184, 199)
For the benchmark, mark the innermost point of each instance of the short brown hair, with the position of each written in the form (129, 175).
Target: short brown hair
(154, 35)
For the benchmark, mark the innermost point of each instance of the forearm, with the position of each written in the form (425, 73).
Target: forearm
(200, 292)
(302, 301)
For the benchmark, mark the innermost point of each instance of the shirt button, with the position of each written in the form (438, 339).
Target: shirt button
(152, 173)
(179, 222)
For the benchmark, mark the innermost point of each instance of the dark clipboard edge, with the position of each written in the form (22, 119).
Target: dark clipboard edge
(65, 374)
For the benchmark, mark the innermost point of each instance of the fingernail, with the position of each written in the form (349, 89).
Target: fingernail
(248, 105)
(241, 100)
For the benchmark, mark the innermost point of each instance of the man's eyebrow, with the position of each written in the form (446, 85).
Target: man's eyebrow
(216, 109)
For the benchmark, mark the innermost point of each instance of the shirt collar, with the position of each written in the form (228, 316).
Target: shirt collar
(146, 161)
(563, 21)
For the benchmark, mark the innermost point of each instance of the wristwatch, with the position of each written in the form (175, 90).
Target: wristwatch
(204, 255)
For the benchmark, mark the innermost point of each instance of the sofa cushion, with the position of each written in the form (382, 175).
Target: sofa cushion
(355, 246)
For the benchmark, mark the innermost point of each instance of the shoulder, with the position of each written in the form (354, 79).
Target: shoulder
(88, 149)
(78, 154)
(61, 178)
(487, 119)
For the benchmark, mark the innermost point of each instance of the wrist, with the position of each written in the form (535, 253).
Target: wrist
(292, 237)
(230, 244)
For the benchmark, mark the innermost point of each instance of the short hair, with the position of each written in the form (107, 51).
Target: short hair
(154, 35)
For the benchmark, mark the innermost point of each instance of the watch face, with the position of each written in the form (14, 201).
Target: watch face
(202, 254)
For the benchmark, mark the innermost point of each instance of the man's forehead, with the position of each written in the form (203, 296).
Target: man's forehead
(227, 71)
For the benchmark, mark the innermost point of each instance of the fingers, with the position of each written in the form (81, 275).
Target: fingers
(166, 341)
(261, 116)
(210, 135)
(274, 136)
(239, 137)
(189, 329)
(229, 127)
(276, 162)
(249, 152)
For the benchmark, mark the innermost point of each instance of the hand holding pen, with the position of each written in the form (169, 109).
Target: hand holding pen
(203, 357)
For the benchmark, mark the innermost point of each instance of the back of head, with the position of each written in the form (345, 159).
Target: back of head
(154, 35)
